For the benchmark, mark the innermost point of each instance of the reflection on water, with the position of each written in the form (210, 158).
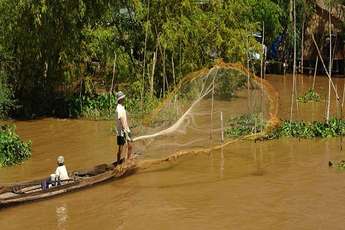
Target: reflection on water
(62, 216)
(222, 162)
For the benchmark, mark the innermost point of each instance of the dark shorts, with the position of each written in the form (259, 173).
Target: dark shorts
(121, 140)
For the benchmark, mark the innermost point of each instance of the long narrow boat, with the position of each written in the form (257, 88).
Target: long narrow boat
(33, 190)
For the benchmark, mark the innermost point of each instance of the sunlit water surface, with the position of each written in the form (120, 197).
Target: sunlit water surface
(280, 184)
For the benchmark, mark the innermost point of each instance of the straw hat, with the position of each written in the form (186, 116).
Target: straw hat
(60, 159)
(120, 95)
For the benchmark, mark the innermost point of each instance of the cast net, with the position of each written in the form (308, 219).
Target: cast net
(196, 115)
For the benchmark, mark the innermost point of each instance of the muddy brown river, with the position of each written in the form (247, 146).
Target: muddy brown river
(280, 184)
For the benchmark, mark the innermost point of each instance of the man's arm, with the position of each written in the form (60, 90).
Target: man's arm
(125, 126)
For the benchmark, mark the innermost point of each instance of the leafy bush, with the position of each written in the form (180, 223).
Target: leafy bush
(252, 123)
(300, 129)
(12, 149)
(244, 125)
(6, 97)
(310, 95)
(104, 105)
(339, 165)
(228, 82)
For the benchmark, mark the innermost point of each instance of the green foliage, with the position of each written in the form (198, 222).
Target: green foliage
(103, 106)
(339, 165)
(6, 97)
(52, 45)
(227, 82)
(300, 129)
(244, 125)
(310, 95)
(12, 149)
(304, 12)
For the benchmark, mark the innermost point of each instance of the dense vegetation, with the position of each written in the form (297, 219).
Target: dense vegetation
(310, 96)
(66, 58)
(244, 125)
(53, 52)
(252, 123)
(12, 149)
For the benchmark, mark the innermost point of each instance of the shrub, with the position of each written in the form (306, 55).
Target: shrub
(12, 149)
(244, 125)
(6, 97)
(310, 95)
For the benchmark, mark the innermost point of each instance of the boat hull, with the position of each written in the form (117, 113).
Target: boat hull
(31, 191)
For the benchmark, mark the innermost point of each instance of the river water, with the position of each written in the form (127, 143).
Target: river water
(280, 184)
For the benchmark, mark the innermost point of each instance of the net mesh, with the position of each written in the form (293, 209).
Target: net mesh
(195, 114)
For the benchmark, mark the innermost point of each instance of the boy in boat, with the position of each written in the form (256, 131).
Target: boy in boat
(59, 175)
(122, 129)
(61, 171)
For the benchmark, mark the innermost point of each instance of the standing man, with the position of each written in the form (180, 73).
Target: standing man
(122, 128)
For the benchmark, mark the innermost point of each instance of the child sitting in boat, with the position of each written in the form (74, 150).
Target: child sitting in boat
(59, 176)
(61, 171)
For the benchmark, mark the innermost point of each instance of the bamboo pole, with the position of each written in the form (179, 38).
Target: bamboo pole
(341, 117)
(180, 60)
(112, 84)
(330, 62)
(143, 77)
(113, 78)
(222, 162)
(212, 107)
(166, 76)
(248, 73)
(263, 50)
(164, 72)
(325, 68)
(302, 44)
(293, 96)
(343, 98)
(222, 127)
(262, 70)
(315, 72)
(173, 69)
(154, 60)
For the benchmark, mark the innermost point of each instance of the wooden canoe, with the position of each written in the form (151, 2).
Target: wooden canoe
(32, 190)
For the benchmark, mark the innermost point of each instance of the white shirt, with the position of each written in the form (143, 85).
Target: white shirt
(121, 114)
(61, 171)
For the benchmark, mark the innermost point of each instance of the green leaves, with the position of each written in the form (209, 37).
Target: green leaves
(244, 125)
(6, 96)
(12, 149)
(300, 129)
(309, 96)
(51, 45)
(102, 106)
(252, 123)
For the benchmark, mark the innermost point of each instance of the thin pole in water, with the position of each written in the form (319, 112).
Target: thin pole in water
(341, 118)
(293, 96)
(143, 77)
(248, 72)
(330, 62)
(315, 71)
(262, 70)
(222, 126)
(212, 109)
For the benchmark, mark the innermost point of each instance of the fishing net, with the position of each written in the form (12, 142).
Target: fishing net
(197, 113)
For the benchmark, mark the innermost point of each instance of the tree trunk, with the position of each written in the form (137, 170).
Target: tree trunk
(154, 60)
(112, 80)
(302, 45)
(173, 69)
